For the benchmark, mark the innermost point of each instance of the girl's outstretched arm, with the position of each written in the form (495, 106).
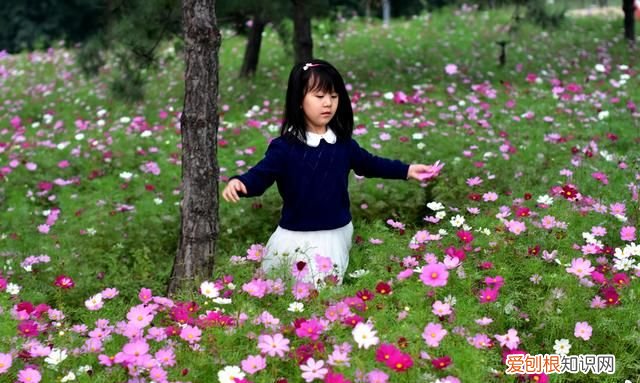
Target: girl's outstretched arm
(258, 179)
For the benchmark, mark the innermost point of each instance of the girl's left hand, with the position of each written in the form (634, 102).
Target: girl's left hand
(420, 172)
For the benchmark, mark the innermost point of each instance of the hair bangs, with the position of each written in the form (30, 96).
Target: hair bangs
(320, 81)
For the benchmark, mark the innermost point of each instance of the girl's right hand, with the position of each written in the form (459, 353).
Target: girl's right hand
(230, 192)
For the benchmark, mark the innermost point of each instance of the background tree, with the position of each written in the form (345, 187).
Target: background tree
(199, 225)
(629, 21)
(250, 18)
(302, 40)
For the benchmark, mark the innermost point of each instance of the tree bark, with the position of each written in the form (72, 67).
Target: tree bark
(629, 21)
(302, 41)
(252, 52)
(199, 123)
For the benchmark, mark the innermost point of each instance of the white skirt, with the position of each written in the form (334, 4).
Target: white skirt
(286, 248)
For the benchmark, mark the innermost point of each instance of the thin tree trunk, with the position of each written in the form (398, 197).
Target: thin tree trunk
(302, 41)
(629, 21)
(252, 52)
(386, 12)
(199, 123)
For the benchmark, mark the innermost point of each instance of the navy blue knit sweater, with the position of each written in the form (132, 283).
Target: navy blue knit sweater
(313, 180)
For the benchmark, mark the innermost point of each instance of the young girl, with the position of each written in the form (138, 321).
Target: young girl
(310, 162)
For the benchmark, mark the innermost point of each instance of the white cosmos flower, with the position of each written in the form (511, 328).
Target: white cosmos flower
(364, 335)
(69, 377)
(359, 273)
(562, 346)
(126, 176)
(296, 307)
(435, 206)
(209, 290)
(227, 374)
(56, 356)
(545, 199)
(457, 221)
(13, 289)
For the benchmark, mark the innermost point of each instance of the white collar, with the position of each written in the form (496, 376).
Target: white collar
(313, 139)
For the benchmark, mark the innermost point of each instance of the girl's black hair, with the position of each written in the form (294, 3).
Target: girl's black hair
(305, 77)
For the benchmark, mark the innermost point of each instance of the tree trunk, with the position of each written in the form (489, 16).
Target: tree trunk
(386, 12)
(199, 123)
(302, 41)
(252, 52)
(629, 21)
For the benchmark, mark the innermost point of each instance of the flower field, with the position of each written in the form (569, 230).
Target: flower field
(526, 243)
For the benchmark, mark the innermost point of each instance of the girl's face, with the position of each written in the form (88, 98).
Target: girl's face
(319, 108)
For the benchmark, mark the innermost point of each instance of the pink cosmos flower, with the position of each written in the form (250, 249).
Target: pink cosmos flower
(475, 181)
(136, 348)
(583, 330)
(441, 309)
(29, 375)
(433, 334)
(166, 357)
(301, 290)
(516, 227)
(489, 197)
(451, 69)
(313, 370)
(256, 288)
(509, 340)
(5, 362)
(145, 295)
(628, 233)
(323, 264)
(256, 252)
(580, 267)
(273, 345)
(253, 364)
(191, 334)
(140, 316)
(377, 376)
(480, 341)
(600, 177)
(434, 275)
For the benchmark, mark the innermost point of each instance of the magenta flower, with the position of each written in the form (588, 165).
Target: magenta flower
(28, 328)
(273, 345)
(310, 328)
(434, 275)
(253, 364)
(489, 294)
